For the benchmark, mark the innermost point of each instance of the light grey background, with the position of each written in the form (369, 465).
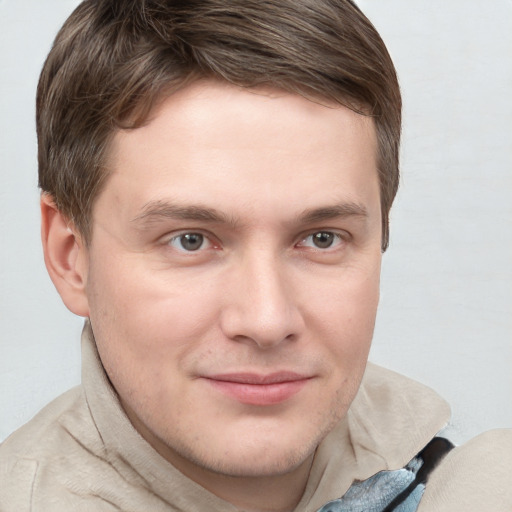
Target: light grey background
(446, 305)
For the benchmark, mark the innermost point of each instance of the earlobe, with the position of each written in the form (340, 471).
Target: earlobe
(65, 257)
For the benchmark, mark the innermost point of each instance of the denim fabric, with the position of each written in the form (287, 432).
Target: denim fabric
(378, 491)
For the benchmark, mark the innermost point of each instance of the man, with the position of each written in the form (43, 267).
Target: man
(216, 182)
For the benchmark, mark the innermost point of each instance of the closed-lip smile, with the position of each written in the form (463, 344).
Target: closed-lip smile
(259, 389)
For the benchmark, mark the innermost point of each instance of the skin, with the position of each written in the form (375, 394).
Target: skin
(265, 180)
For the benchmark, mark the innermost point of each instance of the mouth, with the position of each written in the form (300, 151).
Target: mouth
(256, 389)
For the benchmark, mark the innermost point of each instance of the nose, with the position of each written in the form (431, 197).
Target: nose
(260, 305)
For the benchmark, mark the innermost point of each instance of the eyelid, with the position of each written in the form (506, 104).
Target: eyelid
(175, 235)
(340, 234)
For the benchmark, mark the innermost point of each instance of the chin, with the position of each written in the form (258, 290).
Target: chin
(260, 463)
(271, 453)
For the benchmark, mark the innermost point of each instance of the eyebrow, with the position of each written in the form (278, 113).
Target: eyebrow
(341, 210)
(158, 210)
(155, 211)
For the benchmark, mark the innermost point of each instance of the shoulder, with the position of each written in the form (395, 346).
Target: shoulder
(473, 477)
(395, 416)
(38, 445)
(398, 390)
(47, 424)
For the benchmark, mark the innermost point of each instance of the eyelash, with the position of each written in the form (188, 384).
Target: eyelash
(180, 236)
(337, 240)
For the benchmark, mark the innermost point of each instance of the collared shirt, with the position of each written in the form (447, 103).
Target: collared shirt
(81, 452)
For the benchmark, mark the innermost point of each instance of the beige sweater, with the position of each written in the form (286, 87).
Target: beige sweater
(82, 454)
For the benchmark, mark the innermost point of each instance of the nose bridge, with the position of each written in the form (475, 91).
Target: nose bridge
(261, 306)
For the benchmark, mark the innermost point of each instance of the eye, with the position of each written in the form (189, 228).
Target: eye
(190, 242)
(322, 240)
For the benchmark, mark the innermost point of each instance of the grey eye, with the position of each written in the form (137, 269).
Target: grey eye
(190, 241)
(323, 239)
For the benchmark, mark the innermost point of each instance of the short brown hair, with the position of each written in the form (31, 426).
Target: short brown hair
(113, 59)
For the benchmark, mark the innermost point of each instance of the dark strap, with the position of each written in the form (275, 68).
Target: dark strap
(431, 456)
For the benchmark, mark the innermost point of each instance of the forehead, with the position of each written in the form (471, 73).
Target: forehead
(216, 143)
(212, 107)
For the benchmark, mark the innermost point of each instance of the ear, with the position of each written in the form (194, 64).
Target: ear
(65, 256)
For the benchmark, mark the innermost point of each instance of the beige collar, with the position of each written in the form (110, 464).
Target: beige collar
(390, 420)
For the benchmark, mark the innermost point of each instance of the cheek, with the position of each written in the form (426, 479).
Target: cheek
(135, 299)
(346, 324)
(147, 327)
(349, 303)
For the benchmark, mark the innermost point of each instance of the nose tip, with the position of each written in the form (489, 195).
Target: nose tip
(265, 332)
(261, 308)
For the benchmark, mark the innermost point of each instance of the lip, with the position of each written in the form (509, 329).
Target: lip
(257, 389)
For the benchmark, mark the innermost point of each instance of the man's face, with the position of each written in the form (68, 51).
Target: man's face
(233, 275)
